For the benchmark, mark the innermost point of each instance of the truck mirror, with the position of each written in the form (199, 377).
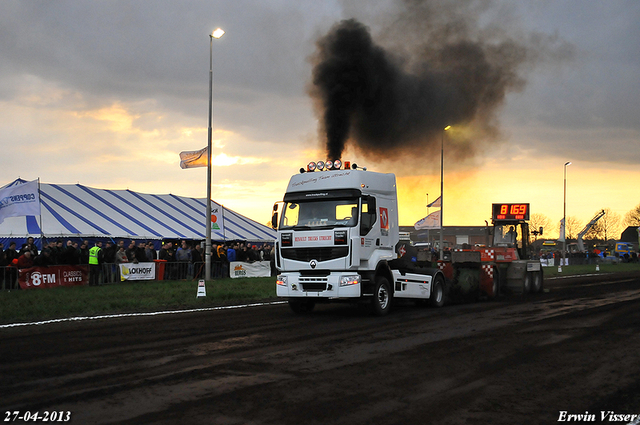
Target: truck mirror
(274, 220)
(540, 231)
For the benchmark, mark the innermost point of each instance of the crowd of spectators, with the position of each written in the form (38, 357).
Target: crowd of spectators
(184, 260)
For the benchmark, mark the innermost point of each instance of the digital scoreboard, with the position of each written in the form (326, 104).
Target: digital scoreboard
(510, 212)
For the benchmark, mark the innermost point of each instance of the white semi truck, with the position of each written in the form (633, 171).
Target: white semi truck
(338, 240)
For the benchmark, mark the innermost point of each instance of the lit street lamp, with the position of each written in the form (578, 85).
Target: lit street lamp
(441, 191)
(207, 251)
(564, 218)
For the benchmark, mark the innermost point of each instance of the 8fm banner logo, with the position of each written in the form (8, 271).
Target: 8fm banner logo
(37, 279)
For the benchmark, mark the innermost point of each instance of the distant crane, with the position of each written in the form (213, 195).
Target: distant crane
(587, 228)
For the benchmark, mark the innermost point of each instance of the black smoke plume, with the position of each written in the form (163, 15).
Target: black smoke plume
(386, 104)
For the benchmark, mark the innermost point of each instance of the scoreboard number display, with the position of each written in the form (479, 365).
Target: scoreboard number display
(510, 212)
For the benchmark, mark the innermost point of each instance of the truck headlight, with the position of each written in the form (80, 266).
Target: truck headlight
(349, 280)
(281, 280)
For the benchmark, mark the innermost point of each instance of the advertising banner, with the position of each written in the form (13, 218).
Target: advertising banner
(217, 218)
(140, 271)
(257, 269)
(52, 276)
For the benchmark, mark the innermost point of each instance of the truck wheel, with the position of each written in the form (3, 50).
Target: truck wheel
(381, 302)
(302, 306)
(496, 284)
(536, 282)
(437, 292)
(526, 285)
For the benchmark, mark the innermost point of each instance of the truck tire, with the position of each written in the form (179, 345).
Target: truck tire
(302, 306)
(381, 301)
(496, 284)
(526, 284)
(536, 282)
(437, 292)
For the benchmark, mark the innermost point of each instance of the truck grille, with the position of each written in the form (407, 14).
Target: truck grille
(313, 284)
(318, 254)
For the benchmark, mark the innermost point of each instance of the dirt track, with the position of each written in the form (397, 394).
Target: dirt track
(511, 361)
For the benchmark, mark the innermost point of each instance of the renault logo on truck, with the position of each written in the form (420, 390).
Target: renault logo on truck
(313, 264)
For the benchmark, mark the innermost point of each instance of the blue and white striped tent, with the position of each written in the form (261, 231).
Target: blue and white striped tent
(74, 210)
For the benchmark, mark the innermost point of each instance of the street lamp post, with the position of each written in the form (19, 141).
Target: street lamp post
(441, 191)
(207, 250)
(564, 217)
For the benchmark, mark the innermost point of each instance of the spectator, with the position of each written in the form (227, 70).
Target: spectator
(84, 253)
(197, 261)
(110, 253)
(242, 254)
(121, 256)
(253, 254)
(141, 255)
(29, 246)
(224, 263)
(11, 253)
(272, 261)
(168, 254)
(216, 265)
(231, 254)
(266, 252)
(150, 252)
(45, 259)
(131, 252)
(96, 259)
(183, 257)
(69, 255)
(25, 261)
(109, 267)
(3, 267)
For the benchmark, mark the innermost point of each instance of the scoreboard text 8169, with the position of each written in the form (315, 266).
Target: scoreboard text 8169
(510, 212)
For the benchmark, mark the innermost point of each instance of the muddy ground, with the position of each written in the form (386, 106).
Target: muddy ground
(574, 349)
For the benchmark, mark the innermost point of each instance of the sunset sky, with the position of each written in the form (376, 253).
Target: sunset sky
(108, 93)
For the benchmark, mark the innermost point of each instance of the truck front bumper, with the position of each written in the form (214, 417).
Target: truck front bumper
(334, 285)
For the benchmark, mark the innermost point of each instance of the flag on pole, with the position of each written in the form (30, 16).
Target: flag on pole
(193, 159)
(432, 221)
(217, 218)
(20, 200)
(561, 238)
(436, 204)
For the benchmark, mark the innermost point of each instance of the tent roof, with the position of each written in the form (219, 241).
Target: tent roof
(77, 210)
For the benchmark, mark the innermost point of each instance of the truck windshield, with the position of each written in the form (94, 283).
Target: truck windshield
(316, 214)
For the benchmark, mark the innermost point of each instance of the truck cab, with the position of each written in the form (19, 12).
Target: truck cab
(334, 229)
(337, 234)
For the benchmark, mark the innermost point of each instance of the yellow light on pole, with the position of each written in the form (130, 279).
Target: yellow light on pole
(217, 33)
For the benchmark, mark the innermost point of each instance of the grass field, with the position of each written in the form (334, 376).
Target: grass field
(128, 297)
(577, 270)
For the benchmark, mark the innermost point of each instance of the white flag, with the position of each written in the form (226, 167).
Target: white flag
(20, 200)
(432, 221)
(436, 204)
(561, 238)
(193, 159)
